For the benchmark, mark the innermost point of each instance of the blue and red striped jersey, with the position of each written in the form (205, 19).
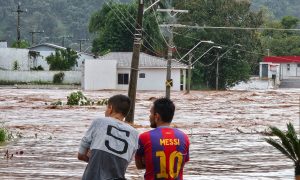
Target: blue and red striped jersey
(165, 151)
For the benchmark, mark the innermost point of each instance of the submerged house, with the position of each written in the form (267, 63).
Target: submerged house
(112, 71)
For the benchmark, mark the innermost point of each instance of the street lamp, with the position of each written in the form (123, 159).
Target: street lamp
(218, 47)
(218, 59)
(209, 42)
(190, 66)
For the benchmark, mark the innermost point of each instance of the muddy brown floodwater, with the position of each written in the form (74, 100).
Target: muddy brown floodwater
(225, 129)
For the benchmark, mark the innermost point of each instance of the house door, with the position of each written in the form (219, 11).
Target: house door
(264, 70)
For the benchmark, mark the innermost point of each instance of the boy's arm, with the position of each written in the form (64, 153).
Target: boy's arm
(85, 156)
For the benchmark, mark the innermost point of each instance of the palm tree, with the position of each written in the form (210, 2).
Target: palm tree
(289, 145)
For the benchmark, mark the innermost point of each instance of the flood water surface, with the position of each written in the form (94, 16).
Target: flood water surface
(226, 130)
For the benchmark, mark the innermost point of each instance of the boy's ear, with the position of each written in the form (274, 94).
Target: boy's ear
(109, 109)
(156, 116)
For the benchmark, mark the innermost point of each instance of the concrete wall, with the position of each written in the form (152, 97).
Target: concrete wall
(292, 73)
(9, 55)
(3, 44)
(155, 79)
(71, 77)
(103, 74)
(99, 75)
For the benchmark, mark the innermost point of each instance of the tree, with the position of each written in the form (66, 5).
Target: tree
(289, 145)
(23, 44)
(238, 64)
(114, 27)
(282, 43)
(62, 60)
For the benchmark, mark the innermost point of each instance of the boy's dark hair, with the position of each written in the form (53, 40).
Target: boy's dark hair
(120, 104)
(165, 108)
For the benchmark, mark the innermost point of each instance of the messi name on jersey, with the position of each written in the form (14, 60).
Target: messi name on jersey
(169, 142)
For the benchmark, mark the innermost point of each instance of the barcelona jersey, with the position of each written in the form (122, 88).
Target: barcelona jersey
(165, 151)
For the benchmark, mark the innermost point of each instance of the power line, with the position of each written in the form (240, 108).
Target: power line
(230, 28)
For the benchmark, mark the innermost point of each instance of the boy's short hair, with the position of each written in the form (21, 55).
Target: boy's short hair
(120, 104)
(165, 108)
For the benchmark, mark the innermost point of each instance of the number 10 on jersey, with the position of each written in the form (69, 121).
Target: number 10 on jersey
(163, 161)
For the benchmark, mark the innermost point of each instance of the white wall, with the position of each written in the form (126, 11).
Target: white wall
(294, 71)
(99, 74)
(155, 79)
(41, 60)
(71, 77)
(9, 55)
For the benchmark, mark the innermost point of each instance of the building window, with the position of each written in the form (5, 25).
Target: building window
(288, 67)
(142, 75)
(123, 78)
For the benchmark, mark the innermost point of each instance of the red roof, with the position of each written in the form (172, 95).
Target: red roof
(282, 59)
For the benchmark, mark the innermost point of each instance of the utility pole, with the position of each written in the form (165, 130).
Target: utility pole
(169, 81)
(32, 35)
(19, 11)
(63, 40)
(135, 61)
(189, 74)
(80, 42)
(217, 73)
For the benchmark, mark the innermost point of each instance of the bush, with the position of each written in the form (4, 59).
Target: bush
(77, 98)
(16, 65)
(38, 68)
(58, 78)
(3, 135)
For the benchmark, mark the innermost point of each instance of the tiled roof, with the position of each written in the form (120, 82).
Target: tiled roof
(282, 59)
(146, 60)
(48, 45)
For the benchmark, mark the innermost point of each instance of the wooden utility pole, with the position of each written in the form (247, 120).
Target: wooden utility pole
(19, 11)
(32, 35)
(188, 89)
(135, 61)
(169, 81)
(80, 42)
(217, 73)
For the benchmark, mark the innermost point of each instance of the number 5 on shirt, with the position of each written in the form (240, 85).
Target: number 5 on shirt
(163, 168)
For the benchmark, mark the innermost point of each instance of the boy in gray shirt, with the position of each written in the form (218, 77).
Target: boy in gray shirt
(109, 144)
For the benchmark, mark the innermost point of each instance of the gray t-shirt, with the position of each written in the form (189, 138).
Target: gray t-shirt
(113, 144)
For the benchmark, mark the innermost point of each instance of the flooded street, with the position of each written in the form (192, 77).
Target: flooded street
(225, 129)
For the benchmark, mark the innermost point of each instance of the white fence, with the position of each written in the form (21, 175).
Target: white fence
(71, 77)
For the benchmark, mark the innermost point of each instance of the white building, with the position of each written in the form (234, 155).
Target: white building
(47, 49)
(112, 71)
(289, 66)
(11, 56)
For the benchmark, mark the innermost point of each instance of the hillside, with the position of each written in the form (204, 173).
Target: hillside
(279, 8)
(60, 18)
(56, 17)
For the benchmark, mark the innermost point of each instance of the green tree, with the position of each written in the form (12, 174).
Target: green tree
(282, 43)
(23, 44)
(114, 28)
(62, 60)
(237, 65)
(289, 145)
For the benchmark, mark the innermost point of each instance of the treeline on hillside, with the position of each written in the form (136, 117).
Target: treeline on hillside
(57, 18)
(278, 8)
